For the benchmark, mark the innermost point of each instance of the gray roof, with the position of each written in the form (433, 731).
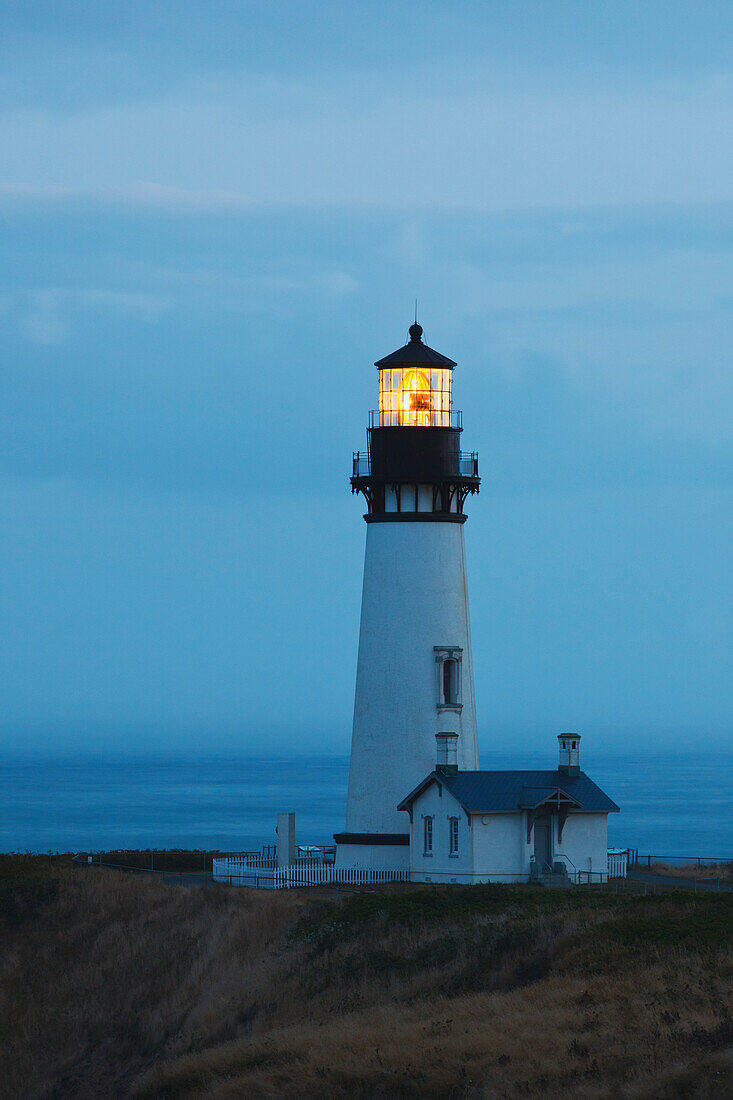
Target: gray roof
(502, 792)
(415, 354)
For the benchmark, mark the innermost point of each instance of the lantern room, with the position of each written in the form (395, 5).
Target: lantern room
(415, 386)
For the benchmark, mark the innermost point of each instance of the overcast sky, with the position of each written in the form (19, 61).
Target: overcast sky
(215, 216)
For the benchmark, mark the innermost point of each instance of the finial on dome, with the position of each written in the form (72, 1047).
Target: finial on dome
(416, 333)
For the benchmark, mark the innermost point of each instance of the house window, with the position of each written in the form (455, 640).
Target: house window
(453, 822)
(428, 836)
(448, 667)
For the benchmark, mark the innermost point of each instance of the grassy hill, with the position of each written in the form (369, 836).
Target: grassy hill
(123, 986)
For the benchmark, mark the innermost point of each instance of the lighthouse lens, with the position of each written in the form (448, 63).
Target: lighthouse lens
(415, 399)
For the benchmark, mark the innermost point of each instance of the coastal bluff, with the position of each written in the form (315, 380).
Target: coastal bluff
(121, 985)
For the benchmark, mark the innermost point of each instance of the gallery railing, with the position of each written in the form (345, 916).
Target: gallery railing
(433, 418)
(467, 464)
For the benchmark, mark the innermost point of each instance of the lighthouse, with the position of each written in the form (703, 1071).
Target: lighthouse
(414, 679)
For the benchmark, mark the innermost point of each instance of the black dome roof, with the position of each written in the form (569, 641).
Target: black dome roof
(415, 354)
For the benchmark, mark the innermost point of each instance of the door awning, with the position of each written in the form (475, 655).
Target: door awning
(531, 798)
(549, 799)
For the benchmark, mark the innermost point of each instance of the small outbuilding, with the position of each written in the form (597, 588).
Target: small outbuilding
(508, 826)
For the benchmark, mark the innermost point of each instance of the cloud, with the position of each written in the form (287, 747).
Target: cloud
(48, 315)
(155, 196)
(232, 142)
(212, 226)
(19, 193)
(134, 196)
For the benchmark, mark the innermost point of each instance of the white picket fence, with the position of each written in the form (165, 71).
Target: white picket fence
(237, 864)
(285, 877)
(237, 872)
(618, 862)
(261, 873)
(253, 863)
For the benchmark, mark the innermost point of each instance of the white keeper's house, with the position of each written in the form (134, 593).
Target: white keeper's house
(405, 814)
(508, 826)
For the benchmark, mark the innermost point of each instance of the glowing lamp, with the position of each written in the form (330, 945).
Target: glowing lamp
(415, 386)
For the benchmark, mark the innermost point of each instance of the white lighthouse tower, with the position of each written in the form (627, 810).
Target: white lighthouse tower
(414, 675)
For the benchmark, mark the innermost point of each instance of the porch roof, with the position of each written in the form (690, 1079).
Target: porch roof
(532, 797)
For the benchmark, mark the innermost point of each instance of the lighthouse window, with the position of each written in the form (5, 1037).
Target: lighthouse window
(428, 836)
(450, 682)
(454, 836)
(414, 401)
(415, 398)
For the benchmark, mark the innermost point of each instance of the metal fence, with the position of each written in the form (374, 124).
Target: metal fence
(467, 464)
(432, 418)
(646, 859)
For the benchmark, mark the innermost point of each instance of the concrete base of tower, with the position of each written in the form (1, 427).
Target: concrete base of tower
(372, 852)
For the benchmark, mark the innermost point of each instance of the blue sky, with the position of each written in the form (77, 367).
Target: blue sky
(215, 217)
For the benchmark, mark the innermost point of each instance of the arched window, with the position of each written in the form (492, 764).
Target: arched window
(453, 822)
(450, 682)
(428, 836)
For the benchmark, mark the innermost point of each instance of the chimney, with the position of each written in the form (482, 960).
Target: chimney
(447, 744)
(569, 753)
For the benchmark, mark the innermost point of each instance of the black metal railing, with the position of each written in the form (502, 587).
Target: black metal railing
(417, 419)
(467, 464)
(648, 859)
(362, 465)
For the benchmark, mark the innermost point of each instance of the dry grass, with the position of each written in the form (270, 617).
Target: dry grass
(567, 1037)
(115, 986)
(704, 872)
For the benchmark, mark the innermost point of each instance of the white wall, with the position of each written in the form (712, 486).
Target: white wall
(415, 597)
(375, 857)
(585, 842)
(500, 851)
(495, 847)
(441, 866)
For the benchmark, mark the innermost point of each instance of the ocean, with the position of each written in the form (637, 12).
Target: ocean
(670, 804)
